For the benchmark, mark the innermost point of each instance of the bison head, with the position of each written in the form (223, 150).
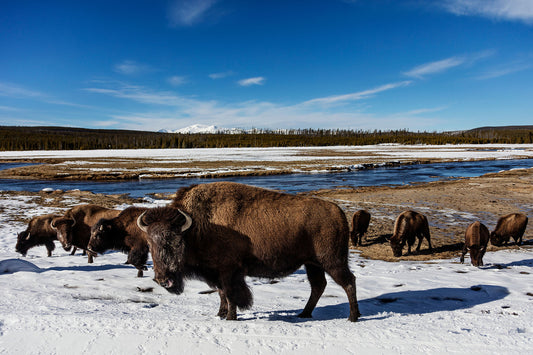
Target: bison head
(63, 227)
(476, 255)
(496, 239)
(165, 228)
(24, 242)
(101, 236)
(397, 246)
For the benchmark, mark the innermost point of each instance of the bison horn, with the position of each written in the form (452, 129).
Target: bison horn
(140, 223)
(52, 225)
(73, 221)
(28, 237)
(188, 221)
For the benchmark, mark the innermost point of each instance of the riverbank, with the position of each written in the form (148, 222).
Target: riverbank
(227, 162)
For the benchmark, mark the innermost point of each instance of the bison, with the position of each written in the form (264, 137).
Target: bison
(121, 233)
(360, 222)
(221, 232)
(476, 240)
(511, 225)
(38, 232)
(74, 227)
(408, 226)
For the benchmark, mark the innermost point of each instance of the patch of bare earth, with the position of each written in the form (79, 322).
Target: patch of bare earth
(449, 205)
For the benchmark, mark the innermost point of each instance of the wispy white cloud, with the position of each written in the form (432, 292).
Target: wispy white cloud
(360, 95)
(513, 10)
(505, 70)
(434, 67)
(440, 66)
(169, 110)
(221, 75)
(177, 80)
(258, 80)
(16, 91)
(130, 67)
(188, 12)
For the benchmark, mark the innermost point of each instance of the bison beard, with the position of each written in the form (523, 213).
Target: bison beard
(222, 232)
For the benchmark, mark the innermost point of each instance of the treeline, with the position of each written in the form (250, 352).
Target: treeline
(65, 138)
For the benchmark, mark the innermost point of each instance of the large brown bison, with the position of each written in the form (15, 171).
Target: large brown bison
(511, 225)
(74, 227)
(121, 233)
(408, 226)
(476, 240)
(360, 222)
(221, 232)
(38, 232)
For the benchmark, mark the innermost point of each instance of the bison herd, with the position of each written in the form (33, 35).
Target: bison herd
(222, 232)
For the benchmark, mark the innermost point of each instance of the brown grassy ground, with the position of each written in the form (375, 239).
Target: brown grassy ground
(450, 207)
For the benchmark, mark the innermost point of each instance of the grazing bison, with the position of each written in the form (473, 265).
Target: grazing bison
(221, 232)
(74, 227)
(476, 240)
(408, 226)
(121, 233)
(511, 225)
(360, 222)
(38, 232)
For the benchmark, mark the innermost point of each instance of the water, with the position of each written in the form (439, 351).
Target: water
(294, 183)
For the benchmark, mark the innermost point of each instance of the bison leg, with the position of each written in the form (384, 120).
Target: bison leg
(317, 279)
(50, 246)
(237, 292)
(463, 253)
(344, 277)
(223, 309)
(90, 258)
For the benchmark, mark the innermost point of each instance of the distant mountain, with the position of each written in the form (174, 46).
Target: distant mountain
(196, 128)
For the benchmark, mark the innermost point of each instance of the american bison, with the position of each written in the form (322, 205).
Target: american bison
(408, 226)
(360, 222)
(221, 232)
(511, 225)
(38, 232)
(74, 227)
(476, 240)
(121, 233)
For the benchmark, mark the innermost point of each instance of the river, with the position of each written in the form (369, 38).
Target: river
(293, 183)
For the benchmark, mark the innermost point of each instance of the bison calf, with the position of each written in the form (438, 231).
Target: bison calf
(476, 240)
(38, 232)
(360, 222)
(408, 226)
(222, 232)
(121, 233)
(74, 228)
(511, 225)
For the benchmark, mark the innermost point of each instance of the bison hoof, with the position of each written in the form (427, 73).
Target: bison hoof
(305, 315)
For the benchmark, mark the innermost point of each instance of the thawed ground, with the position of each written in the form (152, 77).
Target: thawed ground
(64, 305)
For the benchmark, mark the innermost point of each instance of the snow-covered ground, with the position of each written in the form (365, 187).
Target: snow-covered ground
(455, 152)
(64, 305)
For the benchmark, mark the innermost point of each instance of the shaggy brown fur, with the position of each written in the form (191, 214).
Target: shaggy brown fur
(239, 230)
(476, 240)
(408, 226)
(360, 222)
(121, 233)
(38, 232)
(511, 225)
(74, 227)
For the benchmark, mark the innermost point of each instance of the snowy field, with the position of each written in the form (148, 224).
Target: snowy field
(62, 305)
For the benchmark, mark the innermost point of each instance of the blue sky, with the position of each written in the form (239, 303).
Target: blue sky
(359, 64)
